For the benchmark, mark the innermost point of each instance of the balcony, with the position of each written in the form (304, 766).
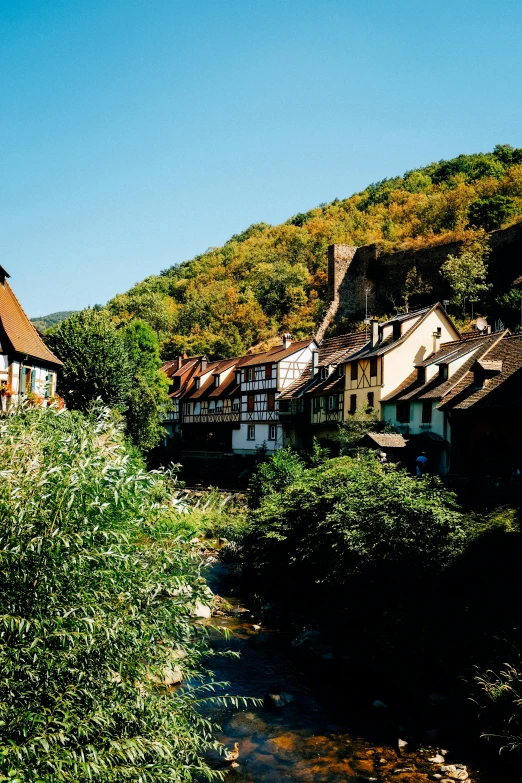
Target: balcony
(212, 417)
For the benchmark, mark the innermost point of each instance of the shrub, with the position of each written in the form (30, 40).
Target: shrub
(356, 518)
(97, 597)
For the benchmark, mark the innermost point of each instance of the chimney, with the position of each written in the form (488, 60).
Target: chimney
(204, 361)
(436, 339)
(315, 362)
(374, 332)
(287, 341)
(179, 362)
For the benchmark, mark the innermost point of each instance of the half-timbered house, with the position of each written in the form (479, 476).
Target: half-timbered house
(180, 371)
(313, 405)
(211, 407)
(262, 377)
(392, 351)
(27, 366)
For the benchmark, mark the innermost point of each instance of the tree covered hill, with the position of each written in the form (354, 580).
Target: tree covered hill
(273, 278)
(45, 322)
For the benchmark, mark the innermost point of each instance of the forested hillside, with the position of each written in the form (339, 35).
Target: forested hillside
(273, 278)
(44, 322)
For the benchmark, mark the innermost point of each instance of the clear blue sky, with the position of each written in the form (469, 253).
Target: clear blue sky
(137, 133)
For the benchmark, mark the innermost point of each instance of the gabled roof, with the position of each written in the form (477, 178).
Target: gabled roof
(332, 352)
(436, 388)
(417, 317)
(501, 388)
(275, 354)
(20, 332)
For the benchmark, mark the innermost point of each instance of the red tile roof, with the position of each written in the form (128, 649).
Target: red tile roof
(19, 330)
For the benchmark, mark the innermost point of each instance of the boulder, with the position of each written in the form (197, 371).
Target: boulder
(403, 745)
(455, 771)
(275, 701)
(437, 759)
(200, 610)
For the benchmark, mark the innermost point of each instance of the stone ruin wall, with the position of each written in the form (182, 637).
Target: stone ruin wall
(352, 270)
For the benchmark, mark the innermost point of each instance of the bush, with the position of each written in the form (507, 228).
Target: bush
(97, 596)
(356, 518)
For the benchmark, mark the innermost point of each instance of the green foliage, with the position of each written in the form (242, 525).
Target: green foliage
(45, 322)
(354, 517)
(270, 279)
(350, 432)
(281, 470)
(118, 366)
(490, 213)
(466, 273)
(97, 596)
(96, 362)
(148, 396)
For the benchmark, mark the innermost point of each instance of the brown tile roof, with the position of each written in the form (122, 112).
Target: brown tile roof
(390, 440)
(502, 389)
(419, 317)
(19, 330)
(332, 351)
(275, 354)
(412, 389)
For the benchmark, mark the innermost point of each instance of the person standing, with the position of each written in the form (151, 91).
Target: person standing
(421, 464)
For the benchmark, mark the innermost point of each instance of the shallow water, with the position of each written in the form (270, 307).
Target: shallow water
(311, 740)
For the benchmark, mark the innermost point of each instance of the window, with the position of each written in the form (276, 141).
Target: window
(421, 375)
(317, 404)
(443, 372)
(324, 373)
(332, 402)
(187, 408)
(211, 406)
(216, 381)
(284, 406)
(196, 383)
(48, 385)
(353, 403)
(353, 371)
(340, 370)
(403, 412)
(219, 406)
(250, 374)
(197, 408)
(268, 371)
(251, 433)
(373, 367)
(426, 411)
(251, 403)
(270, 401)
(238, 376)
(235, 404)
(272, 432)
(371, 399)
(322, 401)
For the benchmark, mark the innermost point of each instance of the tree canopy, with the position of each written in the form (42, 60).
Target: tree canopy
(269, 279)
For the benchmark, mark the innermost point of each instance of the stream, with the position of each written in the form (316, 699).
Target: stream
(314, 738)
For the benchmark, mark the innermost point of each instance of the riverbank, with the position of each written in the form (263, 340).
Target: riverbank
(320, 735)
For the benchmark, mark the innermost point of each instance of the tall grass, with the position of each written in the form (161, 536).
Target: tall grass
(96, 598)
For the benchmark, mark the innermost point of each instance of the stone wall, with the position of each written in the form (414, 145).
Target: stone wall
(353, 271)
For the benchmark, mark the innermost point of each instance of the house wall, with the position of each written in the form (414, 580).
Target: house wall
(242, 445)
(397, 363)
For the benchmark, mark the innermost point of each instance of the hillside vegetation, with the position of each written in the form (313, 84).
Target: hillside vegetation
(44, 322)
(273, 278)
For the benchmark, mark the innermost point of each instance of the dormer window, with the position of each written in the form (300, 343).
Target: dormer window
(396, 330)
(340, 370)
(443, 372)
(238, 376)
(197, 382)
(421, 375)
(216, 381)
(324, 373)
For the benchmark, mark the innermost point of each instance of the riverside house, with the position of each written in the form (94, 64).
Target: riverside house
(357, 371)
(27, 366)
